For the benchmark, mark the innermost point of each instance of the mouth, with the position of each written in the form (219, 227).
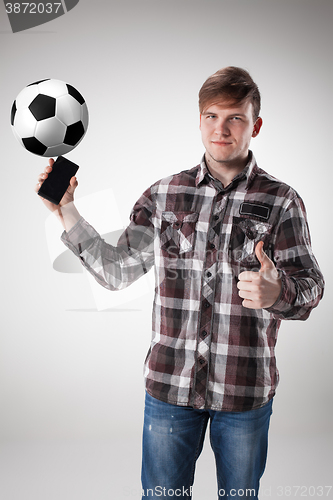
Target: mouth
(221, 143)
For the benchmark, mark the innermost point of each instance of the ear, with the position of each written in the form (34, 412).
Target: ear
(257, 126)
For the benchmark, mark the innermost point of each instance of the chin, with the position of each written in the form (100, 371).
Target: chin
(221, 158)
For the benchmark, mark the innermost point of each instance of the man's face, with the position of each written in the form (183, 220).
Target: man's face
(227, 130)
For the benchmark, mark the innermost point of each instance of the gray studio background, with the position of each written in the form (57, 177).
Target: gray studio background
(71, 385)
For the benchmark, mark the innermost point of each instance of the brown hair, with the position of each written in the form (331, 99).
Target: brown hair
(230, 84)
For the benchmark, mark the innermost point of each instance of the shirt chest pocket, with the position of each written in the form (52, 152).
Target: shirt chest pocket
(178, 231)
(245, 235)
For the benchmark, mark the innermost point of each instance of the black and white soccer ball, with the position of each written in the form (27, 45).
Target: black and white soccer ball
(49, 117)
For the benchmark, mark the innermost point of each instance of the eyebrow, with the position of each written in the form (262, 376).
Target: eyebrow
(231, 114)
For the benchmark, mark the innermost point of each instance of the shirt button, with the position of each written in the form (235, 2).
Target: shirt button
(212, 245)
(201, 361)
(204, 334)
(206, 304)
(250, 234)
(208, 274)
(216, 217)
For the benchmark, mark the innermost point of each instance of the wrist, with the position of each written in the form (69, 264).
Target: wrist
(68, 215)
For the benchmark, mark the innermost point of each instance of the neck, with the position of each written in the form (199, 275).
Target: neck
(225, 171)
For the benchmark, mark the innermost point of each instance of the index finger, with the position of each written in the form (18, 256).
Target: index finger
(248, 276)
(48, 169)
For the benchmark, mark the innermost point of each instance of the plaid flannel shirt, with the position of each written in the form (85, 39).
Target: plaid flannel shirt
(208, 351)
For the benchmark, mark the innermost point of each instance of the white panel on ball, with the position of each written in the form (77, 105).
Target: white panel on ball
(61, 149)
(50, 132)
(26, 96)
(25, 123)
(68, 109)
(84, 116)
(53, 88)
(17, 137)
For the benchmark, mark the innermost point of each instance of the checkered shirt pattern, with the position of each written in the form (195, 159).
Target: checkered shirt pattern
(207, 350)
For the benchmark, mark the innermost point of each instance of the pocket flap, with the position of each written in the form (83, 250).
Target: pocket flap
(180, 217)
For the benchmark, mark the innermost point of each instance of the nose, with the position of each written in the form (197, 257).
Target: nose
(222, 128)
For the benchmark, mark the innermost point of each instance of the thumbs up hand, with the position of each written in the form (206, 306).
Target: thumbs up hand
(260, 289)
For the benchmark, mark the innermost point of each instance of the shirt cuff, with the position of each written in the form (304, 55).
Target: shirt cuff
(287, 296)
(79, 237)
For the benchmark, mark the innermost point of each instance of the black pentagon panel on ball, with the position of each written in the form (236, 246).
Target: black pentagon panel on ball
(74, 133)
(36, 83)
(34, 146)
(75, 93)
(13, 113)
(43, 107)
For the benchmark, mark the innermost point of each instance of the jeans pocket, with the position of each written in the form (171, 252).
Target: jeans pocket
(178, 232)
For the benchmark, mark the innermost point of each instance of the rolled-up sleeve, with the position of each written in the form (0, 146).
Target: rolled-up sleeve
(116, 267)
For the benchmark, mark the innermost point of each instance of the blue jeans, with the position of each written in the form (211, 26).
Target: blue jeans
(173, 438)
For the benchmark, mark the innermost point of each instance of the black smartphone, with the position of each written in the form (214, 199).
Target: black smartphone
(55, 186)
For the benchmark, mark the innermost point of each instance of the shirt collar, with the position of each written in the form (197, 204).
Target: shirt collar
(247, 173)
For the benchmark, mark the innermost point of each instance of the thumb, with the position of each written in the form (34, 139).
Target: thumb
(72, 185)
(265, 261)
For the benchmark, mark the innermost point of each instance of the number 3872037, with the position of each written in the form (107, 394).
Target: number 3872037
(32, 8)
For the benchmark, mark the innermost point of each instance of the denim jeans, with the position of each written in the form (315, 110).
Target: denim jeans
(173, 438)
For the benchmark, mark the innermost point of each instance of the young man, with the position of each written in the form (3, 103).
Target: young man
(232, 256)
